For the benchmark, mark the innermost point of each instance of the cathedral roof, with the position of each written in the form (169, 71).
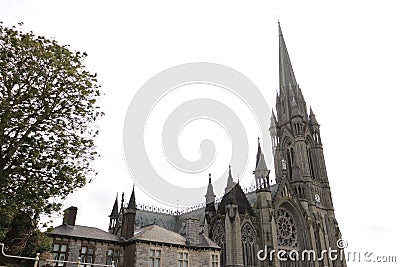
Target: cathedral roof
(176, 222)
(236, 196)
(144, 218)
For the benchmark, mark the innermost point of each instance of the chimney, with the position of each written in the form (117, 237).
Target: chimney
(193, 231)
(70, 216)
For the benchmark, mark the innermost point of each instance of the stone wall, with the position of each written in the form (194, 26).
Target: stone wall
(169, 255)
(100, 250)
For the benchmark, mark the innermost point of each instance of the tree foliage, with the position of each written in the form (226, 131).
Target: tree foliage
(48, 105)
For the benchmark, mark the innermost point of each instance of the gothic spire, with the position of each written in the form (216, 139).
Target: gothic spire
(258, 151)
(123, 202)
(286, 74)
(294, 108)
(210, 197)
(114, 212)
(230, 182)
(261, 165)
(132, 200)
(312, 118)
(261, 172)
(274, 122)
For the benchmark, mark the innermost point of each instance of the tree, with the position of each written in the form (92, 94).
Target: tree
(48, 106)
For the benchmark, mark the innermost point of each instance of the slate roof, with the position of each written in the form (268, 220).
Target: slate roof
(84, 232)
(145, 218)
(155, 233)
(181, 220)
(176, 223)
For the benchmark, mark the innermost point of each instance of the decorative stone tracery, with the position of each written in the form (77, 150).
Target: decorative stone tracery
(218, 236)
(286, 228)
(248, 245)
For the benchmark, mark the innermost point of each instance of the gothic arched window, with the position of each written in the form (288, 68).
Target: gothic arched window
(248, 245)
(310, 163)
(286, 228)
(289, 160)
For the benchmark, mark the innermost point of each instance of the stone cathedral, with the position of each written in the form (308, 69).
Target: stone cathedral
(297, 212)
(294, 214)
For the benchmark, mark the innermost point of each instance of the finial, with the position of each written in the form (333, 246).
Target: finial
(209, 178)
(258, 139)
(122, 201)
(230, 167)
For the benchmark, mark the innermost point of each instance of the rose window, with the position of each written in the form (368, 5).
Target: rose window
(286, 227)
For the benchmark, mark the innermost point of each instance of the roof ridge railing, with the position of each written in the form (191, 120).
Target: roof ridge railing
(167, 211)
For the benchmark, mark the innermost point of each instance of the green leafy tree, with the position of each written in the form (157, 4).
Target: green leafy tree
(48, 106)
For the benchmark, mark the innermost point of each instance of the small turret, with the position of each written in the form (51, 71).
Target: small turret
(210, 197)
(132, 200)
(273, 130)
(314, 128)
(312, 119)
(261, 172)
(210, 210)
(230, 184)
(114, 215)
(128, 217)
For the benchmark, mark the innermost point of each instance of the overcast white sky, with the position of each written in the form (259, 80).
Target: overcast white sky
(345, 56)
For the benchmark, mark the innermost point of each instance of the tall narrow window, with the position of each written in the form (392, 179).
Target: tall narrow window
(248, 245)
(318, 242)
(183, 259)
(290, 158)
(289, 164)
(155, 258)
(310, 163)
(214, 260)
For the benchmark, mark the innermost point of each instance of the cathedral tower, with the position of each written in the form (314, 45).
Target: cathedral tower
(303, 209)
